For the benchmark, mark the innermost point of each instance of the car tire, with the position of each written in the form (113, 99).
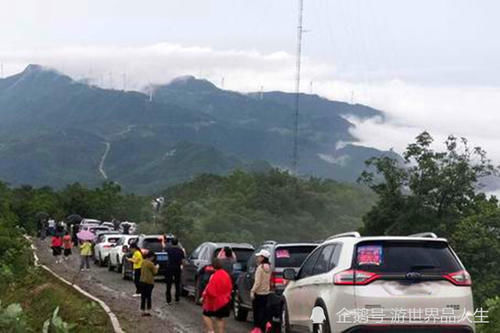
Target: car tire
(240, 313)
(110, 268)
(124, 273)
(118, 265)
(284, 320)
(101, 261)
(326, 324)
(197, 293)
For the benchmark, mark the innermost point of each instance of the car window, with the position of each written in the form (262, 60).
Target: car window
(307, 267)
(153, 244)
(242, 255)
(121, 241)
(323, 263)
(291, 256)
(132, 240)
(204, 253)
(334, 260)
(252, 260)
(113, 239)
(405, 256)
(196, 253)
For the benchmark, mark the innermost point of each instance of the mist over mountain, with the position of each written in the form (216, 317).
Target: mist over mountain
(54, 130)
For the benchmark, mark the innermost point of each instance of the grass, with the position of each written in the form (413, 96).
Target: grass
(39, 293)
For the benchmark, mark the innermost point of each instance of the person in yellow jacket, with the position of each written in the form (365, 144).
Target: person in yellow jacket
(85, 253)
(137, 261)
(148, 272)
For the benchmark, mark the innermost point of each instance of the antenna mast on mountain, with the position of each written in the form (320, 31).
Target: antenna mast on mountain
(222, 83)
(311, 87)
(297, 89)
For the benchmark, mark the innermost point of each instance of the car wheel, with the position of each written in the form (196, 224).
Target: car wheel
(326, 323)
(110, 268)
(124, 272)
(197, 292)
(101, 261)
(240, 313)
(118, 265)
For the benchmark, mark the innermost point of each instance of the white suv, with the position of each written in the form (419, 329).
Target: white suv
(104, 244)
(115, 259)
(385, 284)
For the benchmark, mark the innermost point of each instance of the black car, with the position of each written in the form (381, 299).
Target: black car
(283, 255)
(147, 243)
(198, 267)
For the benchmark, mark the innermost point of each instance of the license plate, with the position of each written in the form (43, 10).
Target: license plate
(161, 257)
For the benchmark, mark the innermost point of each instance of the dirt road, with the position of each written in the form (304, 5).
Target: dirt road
(117, 293)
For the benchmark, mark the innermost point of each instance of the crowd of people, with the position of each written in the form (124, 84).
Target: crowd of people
(217, 293)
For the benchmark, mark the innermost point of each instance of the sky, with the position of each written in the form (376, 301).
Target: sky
(429, 64)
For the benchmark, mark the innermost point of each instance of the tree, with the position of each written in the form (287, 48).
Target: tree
(428, 190)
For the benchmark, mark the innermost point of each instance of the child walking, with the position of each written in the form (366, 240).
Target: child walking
(85, 253)
(148, 272)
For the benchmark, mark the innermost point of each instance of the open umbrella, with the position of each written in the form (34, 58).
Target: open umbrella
(85, 235)
(73, 219)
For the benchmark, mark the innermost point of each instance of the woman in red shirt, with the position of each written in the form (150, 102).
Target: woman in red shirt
(56, 245)
(217, 298)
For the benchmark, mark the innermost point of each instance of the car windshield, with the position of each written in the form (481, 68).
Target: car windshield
(242, 254)
(113, 239)
(292, 256)
(404, 257)
(153, 244)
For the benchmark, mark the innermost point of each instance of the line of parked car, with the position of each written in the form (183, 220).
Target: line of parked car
(330, 280)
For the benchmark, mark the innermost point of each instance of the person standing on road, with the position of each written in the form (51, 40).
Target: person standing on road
(67, 244)
(56, 245)
(148, 272)
(174, 270)
(261, 290)
(137, 261)
(85, 253)
(216, 298)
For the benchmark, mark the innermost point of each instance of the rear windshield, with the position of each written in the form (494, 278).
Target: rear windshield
(153, 244)
(291, 256)
(404, 257)
(99, 229)
(113, 239)
(242, 255)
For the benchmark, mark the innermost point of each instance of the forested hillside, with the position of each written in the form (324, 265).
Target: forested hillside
(255, 207)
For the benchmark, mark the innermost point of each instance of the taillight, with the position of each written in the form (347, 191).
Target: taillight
(460, 278)
(209, 268)
(355, 277)
(277, 281)
(106, 246)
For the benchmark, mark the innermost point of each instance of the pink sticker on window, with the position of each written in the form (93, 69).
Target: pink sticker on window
(370, 255)
(283, 253)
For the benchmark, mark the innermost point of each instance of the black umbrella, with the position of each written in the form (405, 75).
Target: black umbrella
(74, 219)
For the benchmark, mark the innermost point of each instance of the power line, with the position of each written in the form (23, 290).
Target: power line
(297, 89)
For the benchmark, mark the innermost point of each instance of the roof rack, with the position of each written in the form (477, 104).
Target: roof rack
(424, 234)
(354, 234)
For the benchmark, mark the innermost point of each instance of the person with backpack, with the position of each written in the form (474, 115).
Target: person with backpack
(148, 272)
(216, 299)
(173, 271)
(261, 290)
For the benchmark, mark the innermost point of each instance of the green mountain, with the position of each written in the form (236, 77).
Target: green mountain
(54, 130)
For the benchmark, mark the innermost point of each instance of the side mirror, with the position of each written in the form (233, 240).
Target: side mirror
(289, 274)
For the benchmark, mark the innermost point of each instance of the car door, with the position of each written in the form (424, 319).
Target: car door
(315, 284)
(295, 289)
(191, 266)
(246, 281)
